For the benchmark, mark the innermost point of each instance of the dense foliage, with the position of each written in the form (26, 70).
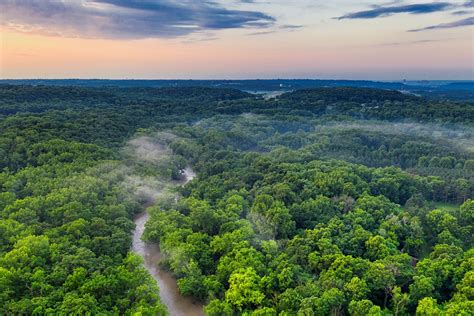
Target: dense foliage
(65, 225)
(322, 201)
(282, 233)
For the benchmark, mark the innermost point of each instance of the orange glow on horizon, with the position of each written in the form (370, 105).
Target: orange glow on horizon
(302, 54)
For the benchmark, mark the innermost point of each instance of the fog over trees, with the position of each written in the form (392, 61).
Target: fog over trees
(325, 201)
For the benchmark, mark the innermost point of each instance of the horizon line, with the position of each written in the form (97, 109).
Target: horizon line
(229, 79)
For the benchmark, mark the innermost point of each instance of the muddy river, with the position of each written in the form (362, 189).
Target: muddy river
(177, 304)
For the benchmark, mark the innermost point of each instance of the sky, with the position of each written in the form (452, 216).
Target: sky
(237, 39)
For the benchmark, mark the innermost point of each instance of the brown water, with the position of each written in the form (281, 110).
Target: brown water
(177, 304)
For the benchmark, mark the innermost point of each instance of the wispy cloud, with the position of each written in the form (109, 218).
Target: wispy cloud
(129, 19)
(388, 10)
(281, 28)
(290, 27)
(422, 41)
(200, 39)
(462, 12)
(464, 22)
(462, 8)
(469, 4)
(261, 33)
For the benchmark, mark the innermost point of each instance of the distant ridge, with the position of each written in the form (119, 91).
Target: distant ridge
(267, 84)
(452, 90)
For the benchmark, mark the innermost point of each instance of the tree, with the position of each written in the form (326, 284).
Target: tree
(218, 308)
(313, 211)
(378, 248)
(428, 307)
(357, 288)
(380, 278)
(271, 218)
(399, 301)
(329, 303)
(363, 308)
(244, 290)
(192, 284)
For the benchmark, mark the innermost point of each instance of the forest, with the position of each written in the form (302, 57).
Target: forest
(320, 201)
